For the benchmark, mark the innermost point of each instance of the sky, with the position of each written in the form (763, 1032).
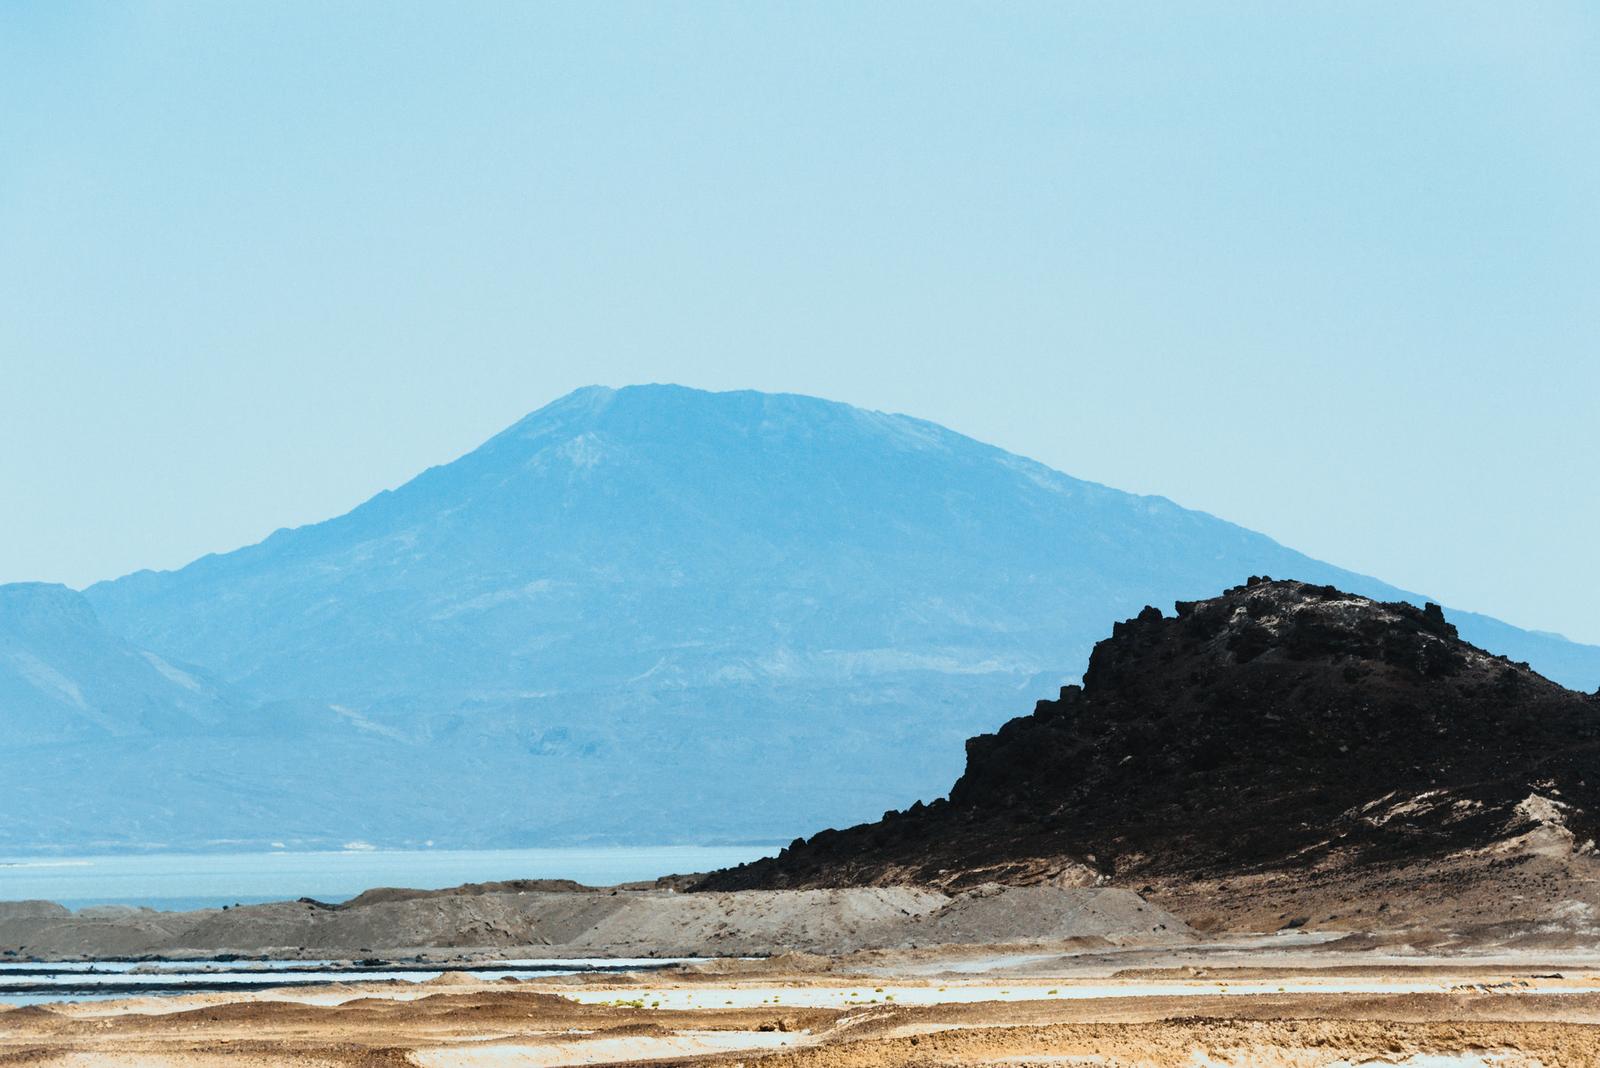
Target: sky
(1328, 271)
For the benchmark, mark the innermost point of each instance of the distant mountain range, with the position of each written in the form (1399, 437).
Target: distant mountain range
(651, 614)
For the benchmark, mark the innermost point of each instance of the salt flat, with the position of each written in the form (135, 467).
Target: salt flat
(1264, 1002)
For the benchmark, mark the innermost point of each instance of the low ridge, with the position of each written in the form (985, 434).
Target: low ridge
(1280, 729)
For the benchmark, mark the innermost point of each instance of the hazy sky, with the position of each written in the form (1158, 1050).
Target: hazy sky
(1333, 274)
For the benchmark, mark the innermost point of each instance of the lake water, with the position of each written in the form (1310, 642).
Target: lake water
(209, 880)
(25, 983)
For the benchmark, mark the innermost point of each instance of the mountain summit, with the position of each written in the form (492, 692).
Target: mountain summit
(661, 614)
(689, 537)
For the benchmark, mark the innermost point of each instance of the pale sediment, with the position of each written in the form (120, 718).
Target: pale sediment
(588, 923)
(1305, 1005)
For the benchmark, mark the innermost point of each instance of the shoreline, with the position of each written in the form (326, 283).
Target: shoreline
(181, 881)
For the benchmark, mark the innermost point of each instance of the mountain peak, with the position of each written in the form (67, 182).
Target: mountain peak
(1295, 620)
(34, 605)
(668, 410)
(696, 595)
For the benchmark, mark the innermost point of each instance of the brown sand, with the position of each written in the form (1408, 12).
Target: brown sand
(1114, 1007)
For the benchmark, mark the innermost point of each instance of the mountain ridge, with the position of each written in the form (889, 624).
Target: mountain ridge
(63, 675)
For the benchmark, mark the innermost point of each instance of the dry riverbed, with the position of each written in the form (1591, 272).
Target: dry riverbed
(1298, 1001)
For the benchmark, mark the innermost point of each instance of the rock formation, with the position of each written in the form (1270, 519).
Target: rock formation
(1282, 731)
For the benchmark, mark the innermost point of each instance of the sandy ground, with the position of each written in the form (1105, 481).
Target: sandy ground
(1290, 1000)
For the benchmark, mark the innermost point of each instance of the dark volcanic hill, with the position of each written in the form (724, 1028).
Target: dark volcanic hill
(1281, 728)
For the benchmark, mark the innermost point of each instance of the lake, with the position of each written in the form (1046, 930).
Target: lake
(209, 880)
(27, 983)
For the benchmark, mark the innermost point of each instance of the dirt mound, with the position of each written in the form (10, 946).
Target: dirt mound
(379, 895)
(618, 923)
(31, 910)
(997, 914)
(453, 979)
(1280, 727)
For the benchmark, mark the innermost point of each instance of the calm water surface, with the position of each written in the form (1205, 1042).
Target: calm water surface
(30, 983)
(188, 881)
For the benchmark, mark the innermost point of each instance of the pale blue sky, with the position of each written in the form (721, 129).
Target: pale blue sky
(1330, 271)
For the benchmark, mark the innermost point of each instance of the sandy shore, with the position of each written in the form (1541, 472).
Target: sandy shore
(1281, 1000)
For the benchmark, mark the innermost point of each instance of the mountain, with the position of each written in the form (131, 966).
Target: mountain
(660, 614)
(65, 678)
(1283, 735)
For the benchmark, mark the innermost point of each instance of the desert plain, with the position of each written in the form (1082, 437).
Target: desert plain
(866, 977)
(1301, 1000)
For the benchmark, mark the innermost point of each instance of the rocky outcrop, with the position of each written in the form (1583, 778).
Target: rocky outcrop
(1279, 728)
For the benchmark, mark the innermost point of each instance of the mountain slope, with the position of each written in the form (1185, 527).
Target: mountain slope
(635, 599)
(63, 676)
(717, 533)
(1281, 733)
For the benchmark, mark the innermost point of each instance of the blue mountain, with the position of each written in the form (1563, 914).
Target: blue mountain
(659, 614)
(64, 677)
